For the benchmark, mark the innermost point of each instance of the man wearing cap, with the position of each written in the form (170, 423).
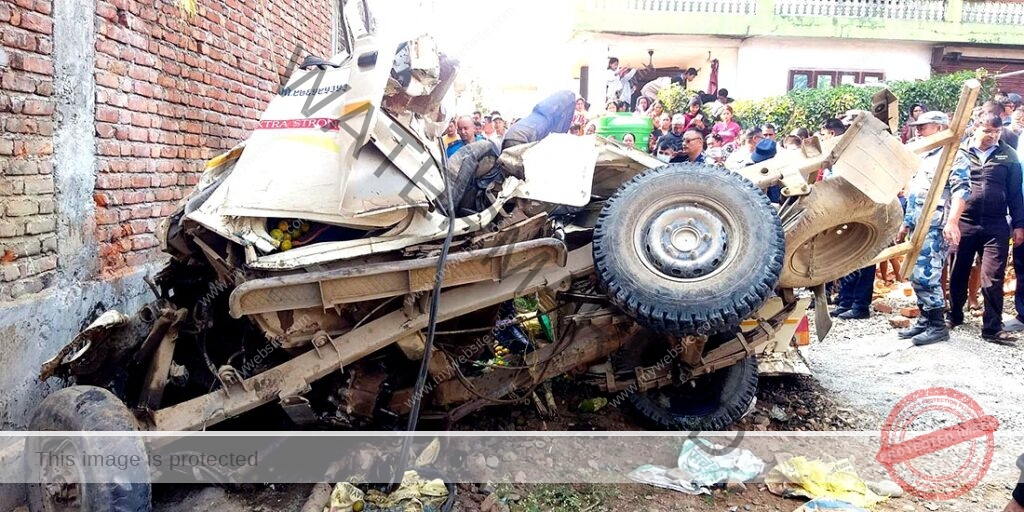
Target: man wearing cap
(767, 149)
(499, 129)
(943, 231)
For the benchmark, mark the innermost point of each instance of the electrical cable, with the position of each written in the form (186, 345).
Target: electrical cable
(421, 378)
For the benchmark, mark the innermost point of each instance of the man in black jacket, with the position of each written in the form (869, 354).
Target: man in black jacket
(995, 190)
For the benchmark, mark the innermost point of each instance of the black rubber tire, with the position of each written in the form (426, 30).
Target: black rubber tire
(716, 302)
(848, 230)
(92, 409)
(714, 401)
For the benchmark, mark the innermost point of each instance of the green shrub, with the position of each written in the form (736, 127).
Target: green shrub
(810, 108)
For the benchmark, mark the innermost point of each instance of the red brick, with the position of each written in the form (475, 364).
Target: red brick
(39, 147)
(899, 322)
(107, 181)
(107, 80)
(105, 130)
(881, 307)
(14, 38)
(22, 126)
(45, 88)
(36, 23)
(106, 114)
(37, 108)
(32, 64)
(18, 82)
(138, 104)
(910, 312)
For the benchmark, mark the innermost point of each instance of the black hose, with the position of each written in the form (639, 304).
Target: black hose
(428, 345)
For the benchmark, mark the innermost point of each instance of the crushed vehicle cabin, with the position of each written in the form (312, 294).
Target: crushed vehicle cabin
(303, 265)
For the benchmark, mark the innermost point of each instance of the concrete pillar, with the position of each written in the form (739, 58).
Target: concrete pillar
(597, 62)
(74, 144)
(954, 11)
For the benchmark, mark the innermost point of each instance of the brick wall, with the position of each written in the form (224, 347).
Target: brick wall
(172, 92)
(28, 241)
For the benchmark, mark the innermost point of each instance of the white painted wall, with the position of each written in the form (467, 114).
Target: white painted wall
(763, 64)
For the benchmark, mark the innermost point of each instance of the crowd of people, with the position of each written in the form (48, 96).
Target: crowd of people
(706, 131)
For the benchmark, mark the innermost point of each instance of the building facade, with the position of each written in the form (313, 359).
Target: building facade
(768, 47)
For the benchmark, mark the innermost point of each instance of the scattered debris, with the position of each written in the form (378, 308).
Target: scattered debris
(899, 322)
(778, 414)
(887, 488)
(881, 306)
(910, 312)
(593, 404)
(830, 505)
(696, 471)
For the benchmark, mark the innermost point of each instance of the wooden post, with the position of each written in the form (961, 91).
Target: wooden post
(968, 98)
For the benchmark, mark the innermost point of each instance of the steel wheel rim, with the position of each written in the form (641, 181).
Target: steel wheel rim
(685, 241)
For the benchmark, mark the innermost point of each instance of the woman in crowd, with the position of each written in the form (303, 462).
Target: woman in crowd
(727, 128)
(629, 140)
(662, 125)
(909, 132)
(579, 116)
(642, 106)
(715, 152)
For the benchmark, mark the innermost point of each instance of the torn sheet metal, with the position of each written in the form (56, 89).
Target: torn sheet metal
(77, 350)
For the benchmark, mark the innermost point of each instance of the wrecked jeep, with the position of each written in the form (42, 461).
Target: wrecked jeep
(337, 269)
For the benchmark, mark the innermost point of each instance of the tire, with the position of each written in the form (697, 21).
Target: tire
(99, 488)
(840, 230)
(735, 233)
(714, 401)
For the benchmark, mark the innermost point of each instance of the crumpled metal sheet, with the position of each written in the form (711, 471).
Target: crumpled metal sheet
(97, 331)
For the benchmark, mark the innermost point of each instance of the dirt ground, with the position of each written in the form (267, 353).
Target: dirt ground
(860, 372)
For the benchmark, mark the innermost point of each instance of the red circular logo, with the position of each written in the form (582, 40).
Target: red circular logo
(960, 473)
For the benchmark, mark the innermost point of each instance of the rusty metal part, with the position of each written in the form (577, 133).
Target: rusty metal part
(165, 315)
(692, 347)
(232, 382)
(294, 376)
(159, 370)
(359, 396)
(354, 284)
(299, 410)
(588, 345)
(744, 345)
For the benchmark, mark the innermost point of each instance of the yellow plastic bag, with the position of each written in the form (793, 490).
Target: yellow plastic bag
(799, 477)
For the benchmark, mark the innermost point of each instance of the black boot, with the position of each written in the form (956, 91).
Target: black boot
(917, 328)
(937, 330)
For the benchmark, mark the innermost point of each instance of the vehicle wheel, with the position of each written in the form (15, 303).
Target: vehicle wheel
(714, 401)
(84, 488)
(688, 249)
(840, 230)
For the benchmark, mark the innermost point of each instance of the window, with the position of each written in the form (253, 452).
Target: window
(821, 79)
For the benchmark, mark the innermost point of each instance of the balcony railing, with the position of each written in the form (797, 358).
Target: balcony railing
(919, 10)
(691, 6)
(994, 13)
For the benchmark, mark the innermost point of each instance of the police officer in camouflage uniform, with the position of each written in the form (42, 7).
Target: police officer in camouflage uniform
(943, 231)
